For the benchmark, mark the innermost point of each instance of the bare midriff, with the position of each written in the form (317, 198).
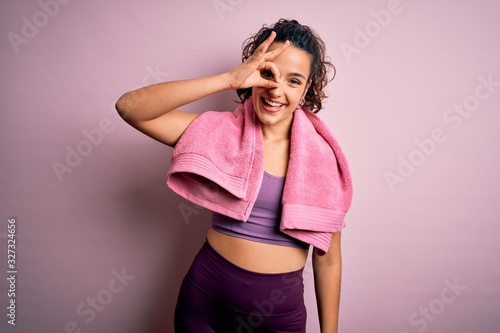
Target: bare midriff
(255, 256)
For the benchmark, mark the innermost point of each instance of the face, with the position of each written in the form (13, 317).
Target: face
(275, 106)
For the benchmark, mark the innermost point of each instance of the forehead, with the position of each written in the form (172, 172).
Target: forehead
(292, 60)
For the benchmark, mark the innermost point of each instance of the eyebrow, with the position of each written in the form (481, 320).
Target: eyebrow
(297, 75)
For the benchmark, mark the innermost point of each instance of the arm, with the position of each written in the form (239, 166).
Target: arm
(153, 109)
(327, 279)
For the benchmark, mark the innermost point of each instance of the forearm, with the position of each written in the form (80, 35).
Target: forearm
(153, 101)
(327, 280)
(327, 285)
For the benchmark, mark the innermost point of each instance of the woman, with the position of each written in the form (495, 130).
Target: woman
(248, 275)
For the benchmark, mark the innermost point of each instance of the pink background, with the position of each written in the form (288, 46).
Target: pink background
(421, 253)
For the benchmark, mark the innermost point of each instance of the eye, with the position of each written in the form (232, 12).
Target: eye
(295, 82)
(266, 74)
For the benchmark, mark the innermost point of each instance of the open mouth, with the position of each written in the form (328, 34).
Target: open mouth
(271, 105)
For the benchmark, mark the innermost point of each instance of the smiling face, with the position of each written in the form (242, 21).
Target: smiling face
(275, 106)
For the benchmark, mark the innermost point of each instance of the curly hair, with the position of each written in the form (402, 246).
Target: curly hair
(304, 38)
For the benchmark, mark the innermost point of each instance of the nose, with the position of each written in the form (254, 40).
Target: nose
(277, 91)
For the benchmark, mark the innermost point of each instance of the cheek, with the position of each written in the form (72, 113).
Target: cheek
(294, 95)
(255, 97)
(256, 90)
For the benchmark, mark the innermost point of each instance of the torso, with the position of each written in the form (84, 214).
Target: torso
(255, 256)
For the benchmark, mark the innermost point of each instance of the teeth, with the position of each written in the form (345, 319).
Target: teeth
(273, 103)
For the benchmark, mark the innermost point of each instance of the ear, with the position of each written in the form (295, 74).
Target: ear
(306, 89)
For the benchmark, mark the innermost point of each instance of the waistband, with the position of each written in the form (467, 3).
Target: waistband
(245, 290)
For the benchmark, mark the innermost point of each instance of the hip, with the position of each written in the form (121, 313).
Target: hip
(243, 290)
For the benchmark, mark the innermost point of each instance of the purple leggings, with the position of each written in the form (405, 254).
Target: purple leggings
(217, 296)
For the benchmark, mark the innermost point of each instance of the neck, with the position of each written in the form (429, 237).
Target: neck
(276, 132)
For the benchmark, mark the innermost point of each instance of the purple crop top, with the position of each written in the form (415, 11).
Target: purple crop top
(263, 225)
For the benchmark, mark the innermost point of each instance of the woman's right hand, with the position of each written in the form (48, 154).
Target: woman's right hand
(250, 72)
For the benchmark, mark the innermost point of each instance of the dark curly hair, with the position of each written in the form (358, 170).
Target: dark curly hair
(302, 37)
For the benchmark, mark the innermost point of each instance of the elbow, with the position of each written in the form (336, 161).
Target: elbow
(332, 258)
(331, 261)
(123, 107)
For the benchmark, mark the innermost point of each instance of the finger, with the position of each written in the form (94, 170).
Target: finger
(262, 49)
(269, 84)
(274, 53)
(270, 66)
(266, 83)
(271, 38)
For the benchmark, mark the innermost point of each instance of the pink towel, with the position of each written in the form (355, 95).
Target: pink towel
(218, 163)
